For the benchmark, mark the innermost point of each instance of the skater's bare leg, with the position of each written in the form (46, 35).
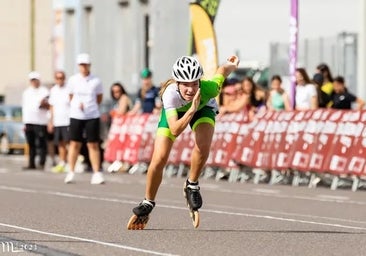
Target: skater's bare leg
(154, 177)
(203, 138)
(162, 145)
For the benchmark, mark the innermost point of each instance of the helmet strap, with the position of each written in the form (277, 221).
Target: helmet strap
(179, 91)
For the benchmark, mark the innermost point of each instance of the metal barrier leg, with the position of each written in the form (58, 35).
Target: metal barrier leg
(170, 171)
(296, 179)
(234, 175)
(314, 180)
(209, 172)
(355, 183)
(258, 175)
(335, 181)
(181, 171)
(219, 174)
(276, 177)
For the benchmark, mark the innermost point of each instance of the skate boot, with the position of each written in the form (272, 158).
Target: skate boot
(191, 192)
(141, 215)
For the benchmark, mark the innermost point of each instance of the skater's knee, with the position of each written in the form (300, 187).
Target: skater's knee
(202, 150)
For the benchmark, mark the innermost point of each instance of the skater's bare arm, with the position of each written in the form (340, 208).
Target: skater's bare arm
(230, 65)
(176, 125)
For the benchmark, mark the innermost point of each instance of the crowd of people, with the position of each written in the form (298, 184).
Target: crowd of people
(66, 119)
(321, 91)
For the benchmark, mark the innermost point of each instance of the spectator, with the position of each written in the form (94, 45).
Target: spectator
(327, 85)
(250, 98)
(122, 101)
(229, 92)
(34, 109)
(278, 98)
(122, 104)
(323, 97)
(60, 118)
(148, 100)
(306, 96)
(342, 99)
(86, 93)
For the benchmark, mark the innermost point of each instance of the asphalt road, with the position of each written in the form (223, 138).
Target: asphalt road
(42, 215)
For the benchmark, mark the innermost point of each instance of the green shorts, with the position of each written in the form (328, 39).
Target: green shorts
(204, 115)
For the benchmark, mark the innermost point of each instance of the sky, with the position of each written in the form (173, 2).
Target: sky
(249, 26)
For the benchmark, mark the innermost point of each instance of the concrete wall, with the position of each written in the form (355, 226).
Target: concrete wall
(114, 34)
(15, 49)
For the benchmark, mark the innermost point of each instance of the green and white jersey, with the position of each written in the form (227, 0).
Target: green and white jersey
(173, 101)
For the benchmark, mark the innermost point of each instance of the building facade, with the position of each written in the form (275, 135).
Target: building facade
(122, 37)
(26, 44)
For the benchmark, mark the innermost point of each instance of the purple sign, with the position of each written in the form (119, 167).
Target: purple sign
(293, 48)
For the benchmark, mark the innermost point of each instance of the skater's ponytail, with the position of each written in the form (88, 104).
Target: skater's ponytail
(164, 85)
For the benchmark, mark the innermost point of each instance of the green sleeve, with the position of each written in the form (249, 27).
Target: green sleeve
(211, 88)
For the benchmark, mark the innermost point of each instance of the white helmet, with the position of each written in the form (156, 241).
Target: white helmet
(187, 69)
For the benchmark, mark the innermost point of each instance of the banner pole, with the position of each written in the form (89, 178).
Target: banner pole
(294, 29)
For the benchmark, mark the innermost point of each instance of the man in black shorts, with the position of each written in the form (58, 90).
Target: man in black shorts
(86, 93)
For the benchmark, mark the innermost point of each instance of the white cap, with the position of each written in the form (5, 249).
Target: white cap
(34, 75)
(83, 58)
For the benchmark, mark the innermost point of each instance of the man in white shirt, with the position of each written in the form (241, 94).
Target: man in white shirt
(60, 118)
(86, 93)
(34, 115)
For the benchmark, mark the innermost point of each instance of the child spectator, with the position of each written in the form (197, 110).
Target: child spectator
(341, 98)
(278, 99)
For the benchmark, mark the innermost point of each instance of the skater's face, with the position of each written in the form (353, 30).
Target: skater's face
(188, 89)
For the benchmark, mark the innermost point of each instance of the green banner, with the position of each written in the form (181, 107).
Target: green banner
(210, 7)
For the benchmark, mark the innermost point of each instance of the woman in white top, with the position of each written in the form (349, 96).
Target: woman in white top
(306, 95)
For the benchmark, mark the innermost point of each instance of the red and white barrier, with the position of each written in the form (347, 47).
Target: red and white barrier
(322, 140)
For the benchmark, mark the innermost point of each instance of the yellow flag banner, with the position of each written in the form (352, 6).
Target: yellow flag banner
(204, 38)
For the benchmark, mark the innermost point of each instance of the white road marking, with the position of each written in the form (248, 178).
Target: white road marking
(309, 198)
(284, 219)
(62, 194)
(87, 240)
(268, 191)
(290, 214)
(256, 192)
(333, 197)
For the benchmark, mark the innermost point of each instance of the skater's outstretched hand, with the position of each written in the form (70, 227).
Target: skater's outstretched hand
(231, 64)
(233, 60)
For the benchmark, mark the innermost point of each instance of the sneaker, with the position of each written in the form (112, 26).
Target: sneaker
(115, 166)
(192, 194)
(70, 177)
(144, 208)
(97, 178)
(60, 168)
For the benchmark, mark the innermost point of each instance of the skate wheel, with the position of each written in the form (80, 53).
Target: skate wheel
(137, 222)
(195, 218)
